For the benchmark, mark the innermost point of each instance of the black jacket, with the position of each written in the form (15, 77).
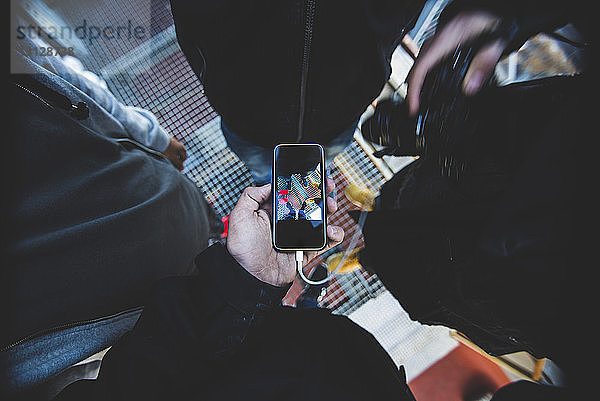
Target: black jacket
(250, 57)
(222, 335)
(496, 254)
(501, 252)
(88, 222)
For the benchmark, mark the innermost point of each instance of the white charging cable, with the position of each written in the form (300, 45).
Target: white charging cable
(299, 261)
(353, 241)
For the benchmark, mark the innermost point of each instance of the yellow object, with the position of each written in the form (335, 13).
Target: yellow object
(361, 196)
(538, 370)
(350, 264)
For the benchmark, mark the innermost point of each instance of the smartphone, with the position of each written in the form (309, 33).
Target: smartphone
(299, 203)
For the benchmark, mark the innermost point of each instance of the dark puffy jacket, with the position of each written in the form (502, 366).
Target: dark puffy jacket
(283, 71)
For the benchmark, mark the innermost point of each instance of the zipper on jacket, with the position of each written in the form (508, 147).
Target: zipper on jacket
(52, 98)
(68, 326)
(309, 10)
(78, 111)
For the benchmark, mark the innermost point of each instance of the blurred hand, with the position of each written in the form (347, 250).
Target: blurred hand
(462, 28)
(249, 238)
(176, 153)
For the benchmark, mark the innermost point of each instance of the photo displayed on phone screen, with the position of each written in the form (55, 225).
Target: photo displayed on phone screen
(299, 197)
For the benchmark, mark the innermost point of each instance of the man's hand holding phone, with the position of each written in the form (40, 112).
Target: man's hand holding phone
(249, 238)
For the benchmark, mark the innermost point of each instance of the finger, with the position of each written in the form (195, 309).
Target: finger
(332, 205)
(414, 81)
(430, 55)
(252, 198)
(329, 185)
(331, 200)
(175, 161)
(268, 207)
(335, 234)
(483, 65)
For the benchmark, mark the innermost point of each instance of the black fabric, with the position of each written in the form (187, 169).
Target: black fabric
(89, 223)
(249, 54)
(471, 253)
(223, 336)
(522, 390)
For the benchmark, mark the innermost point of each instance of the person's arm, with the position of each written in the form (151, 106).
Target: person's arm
(188, 321)
(192, 325)
(140, 124)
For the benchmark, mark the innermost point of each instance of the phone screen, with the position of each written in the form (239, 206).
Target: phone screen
(299, 197)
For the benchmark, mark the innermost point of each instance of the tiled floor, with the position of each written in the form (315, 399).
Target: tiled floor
(409, 343)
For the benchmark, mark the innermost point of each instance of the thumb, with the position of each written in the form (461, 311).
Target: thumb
(483, 65)
(335, 236)
(252, 198)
